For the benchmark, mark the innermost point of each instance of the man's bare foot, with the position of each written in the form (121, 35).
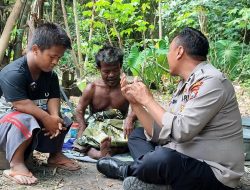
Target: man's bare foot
(61, 161)
(20, 174)
(104, 149)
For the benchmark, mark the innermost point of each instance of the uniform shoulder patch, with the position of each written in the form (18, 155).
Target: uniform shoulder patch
(194, 89)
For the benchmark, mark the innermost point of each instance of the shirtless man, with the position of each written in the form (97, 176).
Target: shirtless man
(104, 94)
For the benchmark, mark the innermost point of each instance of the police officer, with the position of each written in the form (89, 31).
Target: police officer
(197, 143)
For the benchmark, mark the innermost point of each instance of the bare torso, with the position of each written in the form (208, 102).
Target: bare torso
(105, 97)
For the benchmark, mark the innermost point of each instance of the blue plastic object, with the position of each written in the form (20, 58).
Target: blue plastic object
(69, 144)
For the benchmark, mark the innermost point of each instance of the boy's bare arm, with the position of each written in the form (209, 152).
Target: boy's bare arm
(28, 106)
(85, 100)
(54, 106)
(50, 123)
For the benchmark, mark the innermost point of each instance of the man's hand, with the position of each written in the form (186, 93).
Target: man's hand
(82, 127)
(137, 92)
(53, 125)
(128, 127)
(124, 84)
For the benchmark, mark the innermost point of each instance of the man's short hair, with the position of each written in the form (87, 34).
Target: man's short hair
(109, 55)
(49, 34)
(194, 42)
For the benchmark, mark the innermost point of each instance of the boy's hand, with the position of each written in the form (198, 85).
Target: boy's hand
(53, 125)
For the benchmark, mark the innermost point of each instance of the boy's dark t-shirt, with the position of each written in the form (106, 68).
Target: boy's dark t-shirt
(16, 83)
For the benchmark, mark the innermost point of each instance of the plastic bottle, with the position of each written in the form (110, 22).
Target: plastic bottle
(74, 130)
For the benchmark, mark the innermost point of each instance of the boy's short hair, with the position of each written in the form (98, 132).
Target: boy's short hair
(49, 34)
(109, 55)
(194, 42)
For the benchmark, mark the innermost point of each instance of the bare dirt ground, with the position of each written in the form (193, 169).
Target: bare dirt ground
(88, 177)
(85, 179)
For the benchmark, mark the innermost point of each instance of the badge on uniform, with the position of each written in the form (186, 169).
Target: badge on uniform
(182, 107)
(195, 89)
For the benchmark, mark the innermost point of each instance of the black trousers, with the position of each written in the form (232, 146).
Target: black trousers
(159, 165)
(47, 145)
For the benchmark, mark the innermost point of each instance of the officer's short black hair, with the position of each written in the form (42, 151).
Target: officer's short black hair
(194, 42)
(49, 34)
(109, 55)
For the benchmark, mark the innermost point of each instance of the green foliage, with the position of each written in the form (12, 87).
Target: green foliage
(129, 21)
(231, 58)
(133, 26)
(150, 64)
(221, 19)
(225, 56)
(114, 22)
(241, 20)
(66, 61)
(244, 71)
(125, 19)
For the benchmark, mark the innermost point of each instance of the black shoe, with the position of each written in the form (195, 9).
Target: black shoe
(112, 168)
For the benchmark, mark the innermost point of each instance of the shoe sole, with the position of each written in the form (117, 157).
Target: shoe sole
(132, 183)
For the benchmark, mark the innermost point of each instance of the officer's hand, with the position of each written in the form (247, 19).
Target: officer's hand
(138, 92)
(124, 88)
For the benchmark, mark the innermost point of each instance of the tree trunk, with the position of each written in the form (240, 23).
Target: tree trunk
(36, 17)
(73, 54)
(31, 24)
(92, 21)
(202, 21)
(53, 11)
(18, 49)
(40, 9)
(5, 37)
(2, 16)
(91, 29)
(160, 20)
(118, 35)
(80, 60)
(107, 32)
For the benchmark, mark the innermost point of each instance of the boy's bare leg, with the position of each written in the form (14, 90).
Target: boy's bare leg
(18, 167)
(104, 149)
